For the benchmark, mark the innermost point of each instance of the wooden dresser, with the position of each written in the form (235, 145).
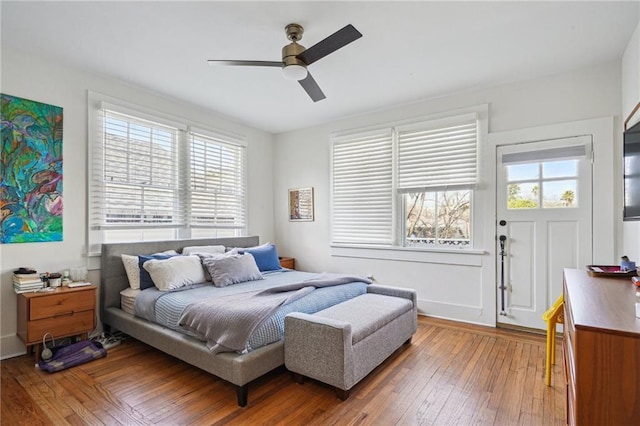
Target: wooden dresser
(601, 349)
(63, 312)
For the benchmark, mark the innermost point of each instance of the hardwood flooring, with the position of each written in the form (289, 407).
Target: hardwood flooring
(451, 374)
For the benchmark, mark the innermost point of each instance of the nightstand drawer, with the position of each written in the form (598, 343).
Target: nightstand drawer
(61, 326)
(287, 262)
(61, 304)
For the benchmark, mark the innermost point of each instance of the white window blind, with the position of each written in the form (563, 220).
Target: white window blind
(217, 181)
(135, 174)
(551, 154)
(438, 155)
(362, 192)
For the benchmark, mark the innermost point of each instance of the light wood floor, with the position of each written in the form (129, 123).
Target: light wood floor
(451, 374)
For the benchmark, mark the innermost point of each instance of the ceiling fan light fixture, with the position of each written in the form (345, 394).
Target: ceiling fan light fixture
(294, 72)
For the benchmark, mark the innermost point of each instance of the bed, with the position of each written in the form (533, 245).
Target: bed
(237, 368)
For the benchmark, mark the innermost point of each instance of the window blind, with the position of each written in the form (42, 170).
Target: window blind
(438, 155)
(217, 181)
(135, 167)
(562, 153)
(362, 192)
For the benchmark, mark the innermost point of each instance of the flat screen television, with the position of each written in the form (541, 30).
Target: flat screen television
(631, 172)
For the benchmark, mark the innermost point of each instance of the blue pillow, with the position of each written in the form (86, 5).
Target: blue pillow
(266, 257)
(145, 278)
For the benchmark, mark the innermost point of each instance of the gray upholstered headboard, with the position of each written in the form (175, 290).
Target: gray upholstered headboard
(113, 278)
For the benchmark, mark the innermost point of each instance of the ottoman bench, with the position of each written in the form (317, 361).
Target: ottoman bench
(340, 345)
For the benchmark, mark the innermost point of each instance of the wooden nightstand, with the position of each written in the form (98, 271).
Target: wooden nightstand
(288, 262)
(63, 312)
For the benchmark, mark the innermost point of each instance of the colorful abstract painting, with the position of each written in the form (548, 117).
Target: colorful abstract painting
(31, 171)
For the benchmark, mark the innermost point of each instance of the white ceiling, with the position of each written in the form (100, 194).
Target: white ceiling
(409, 50)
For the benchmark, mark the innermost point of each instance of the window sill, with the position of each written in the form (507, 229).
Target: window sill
(465, 257)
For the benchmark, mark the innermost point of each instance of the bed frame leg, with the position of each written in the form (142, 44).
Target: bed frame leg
(342, 394)
(408, 341)
(242, 393)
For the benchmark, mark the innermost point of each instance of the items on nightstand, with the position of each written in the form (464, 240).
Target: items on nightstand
(55, 280)
(26, 280)
(78, 274)
(66, 278)
(78, 284)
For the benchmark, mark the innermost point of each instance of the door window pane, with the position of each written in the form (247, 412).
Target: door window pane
(527, 171)
(556, 169)
(525, 184)
(560, 194)
(523, 195)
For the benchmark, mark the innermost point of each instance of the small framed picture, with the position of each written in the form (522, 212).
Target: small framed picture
(301, 205)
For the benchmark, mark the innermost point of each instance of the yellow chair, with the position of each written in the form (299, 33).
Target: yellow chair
(552, 316)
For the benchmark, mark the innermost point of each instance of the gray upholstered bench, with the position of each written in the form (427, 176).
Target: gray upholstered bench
(342, 344)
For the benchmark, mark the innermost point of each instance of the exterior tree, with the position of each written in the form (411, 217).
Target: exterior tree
(568, 197)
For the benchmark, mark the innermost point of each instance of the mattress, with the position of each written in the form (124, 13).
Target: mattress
(165, 308)
(127, 300)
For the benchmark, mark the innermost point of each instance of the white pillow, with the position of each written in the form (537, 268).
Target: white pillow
(133, 270)
(232, 269)
(203, 249)
(175, 272)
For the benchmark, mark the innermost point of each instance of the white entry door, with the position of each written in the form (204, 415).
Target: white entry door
(544, 217)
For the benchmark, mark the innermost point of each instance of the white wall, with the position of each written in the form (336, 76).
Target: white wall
(29, 77)
(630, 98)
(455, 286)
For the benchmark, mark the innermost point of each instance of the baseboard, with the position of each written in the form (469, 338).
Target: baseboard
(11, 346)
(455, 312)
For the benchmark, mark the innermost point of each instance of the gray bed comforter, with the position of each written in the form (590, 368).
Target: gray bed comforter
(226, 322)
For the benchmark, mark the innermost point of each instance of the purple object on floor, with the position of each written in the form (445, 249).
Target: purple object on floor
(72, 355)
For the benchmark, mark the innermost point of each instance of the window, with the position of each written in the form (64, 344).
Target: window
(409, 185)
(543, 179)
(154, 178)
(137, 174)
(437, 218)
(216, 183)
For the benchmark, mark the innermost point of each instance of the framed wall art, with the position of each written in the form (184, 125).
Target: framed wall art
(31, 171)
(301, 205)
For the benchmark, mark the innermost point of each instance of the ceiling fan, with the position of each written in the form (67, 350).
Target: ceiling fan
(296, 58)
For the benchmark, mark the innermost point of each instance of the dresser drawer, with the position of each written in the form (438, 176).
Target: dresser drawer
(61, 304)
(61, 326)
(287, 262)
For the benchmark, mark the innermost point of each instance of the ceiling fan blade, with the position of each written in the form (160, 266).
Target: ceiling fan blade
(311, 87)
(330, 44)
(278, 64)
